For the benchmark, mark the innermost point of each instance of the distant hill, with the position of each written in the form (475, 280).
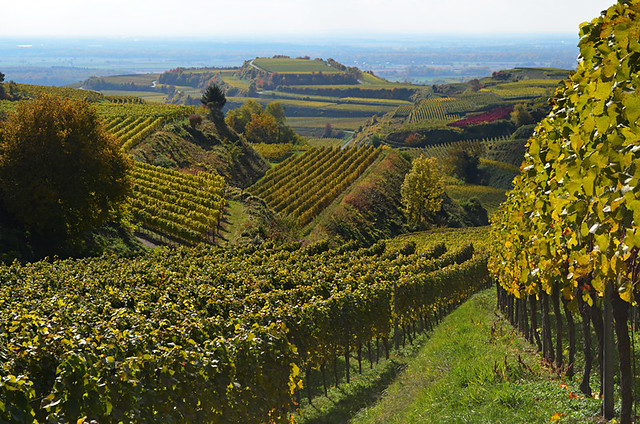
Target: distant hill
(314, 92)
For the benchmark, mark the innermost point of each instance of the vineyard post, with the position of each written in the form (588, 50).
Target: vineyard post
(621, 315)
(308, 383)
(555, 301)
(572, 337)
(547, 343)
(586, 344)
(608, 354)
(324, 377)
(396, 333)
(534, 322)
(335, 368)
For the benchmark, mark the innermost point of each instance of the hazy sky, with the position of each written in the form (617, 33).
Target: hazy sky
(259, 18)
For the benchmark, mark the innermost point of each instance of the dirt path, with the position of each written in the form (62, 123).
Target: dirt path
(145, 242)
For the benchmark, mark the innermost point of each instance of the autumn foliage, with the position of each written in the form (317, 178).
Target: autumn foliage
(60, 172)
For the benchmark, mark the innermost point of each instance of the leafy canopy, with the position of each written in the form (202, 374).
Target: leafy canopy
(60, 172)
(422, 189)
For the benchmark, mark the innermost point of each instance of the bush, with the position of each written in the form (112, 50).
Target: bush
(195, 120)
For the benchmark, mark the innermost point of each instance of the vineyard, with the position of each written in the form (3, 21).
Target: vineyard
(131, 122)
(440, 151)
(438, 109)
(124, 99)
(209, 335)
(177, 206)
(303, 186)
(568, 232)
(129, 118)
(488, 116)
(72, 93)
(449, 109)
(529, 88)
(402, 111)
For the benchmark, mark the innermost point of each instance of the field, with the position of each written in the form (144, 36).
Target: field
(325, 142)
(236, 82)
(318, 122)
(290, 103)
(489, 197)
(379, 85)
(293, 66)
(149, 96)
(137, 79)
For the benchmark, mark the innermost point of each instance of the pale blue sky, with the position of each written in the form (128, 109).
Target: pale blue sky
(259, 18)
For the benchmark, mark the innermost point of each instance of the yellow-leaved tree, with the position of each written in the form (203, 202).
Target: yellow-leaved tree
(61, 172)
(422, 189)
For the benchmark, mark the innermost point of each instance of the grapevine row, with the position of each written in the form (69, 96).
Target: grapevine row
(569, 231)
(182, 206)
(303, 187)
(204, 335)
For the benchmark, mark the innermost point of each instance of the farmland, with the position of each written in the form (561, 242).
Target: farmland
(293, 66)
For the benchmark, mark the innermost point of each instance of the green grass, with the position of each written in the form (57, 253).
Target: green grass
(318, 142)
(490, 197)
(476, 369)
(236, 82)
(294, 66)
(149, 96)
(321, 121)
(233, 222)
(452, 237)
(344, 401)
(284, 102)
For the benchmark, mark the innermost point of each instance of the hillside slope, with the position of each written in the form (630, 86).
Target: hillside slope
(183, 147)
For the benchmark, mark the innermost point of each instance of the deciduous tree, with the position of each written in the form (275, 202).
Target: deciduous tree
(262, 128)
(240, 117)
(422, 189)
(276, 110)
(60, 172)
(463, 162)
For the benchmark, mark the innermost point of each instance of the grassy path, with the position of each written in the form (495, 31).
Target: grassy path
(233, 222)
(474, 368)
